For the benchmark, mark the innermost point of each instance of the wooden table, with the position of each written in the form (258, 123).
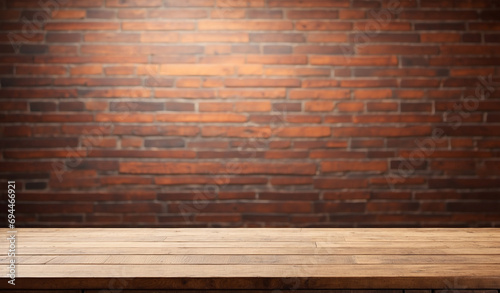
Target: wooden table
(294, 259)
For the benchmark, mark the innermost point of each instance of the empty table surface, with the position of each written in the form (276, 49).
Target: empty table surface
(253, 258)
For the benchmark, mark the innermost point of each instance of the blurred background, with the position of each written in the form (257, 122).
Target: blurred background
(251, 113)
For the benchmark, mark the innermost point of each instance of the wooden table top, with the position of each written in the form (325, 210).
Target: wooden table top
(254, 258)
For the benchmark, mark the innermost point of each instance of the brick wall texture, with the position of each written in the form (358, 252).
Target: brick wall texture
(286, 113)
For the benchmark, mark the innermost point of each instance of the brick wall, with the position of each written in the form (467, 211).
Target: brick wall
(251, 113)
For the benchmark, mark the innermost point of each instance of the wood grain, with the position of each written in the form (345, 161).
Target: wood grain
(255, 258)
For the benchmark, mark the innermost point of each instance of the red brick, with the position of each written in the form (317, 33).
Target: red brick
(252, 207)
(189, 94)
(278, 59)
(216, 38)
(380, 106)
(133, 3)
(188, 82)
(287, 71)
(277, 37)
(399, 72)
(455, 4)
(291, 181)
(56, 208)
(438, 15)
(228, 13)
(199, 69)
(255, 69)
(420, 83)
(212, 82)
(127, 117)
(398, 49)
(391, 207)
(369, 83)
(26, 82)
(476, 130)
(42, 106)
(119, 70)
(68, 14)
(87, 81)
(334, 183)
(287, 107)
(142, 154)
(319, 83)
(346, 195)
(39, 142)
(164, 143)
(177, 13)
(252, 25)
(140, 49)
(10, 15)
(252, 106)
(86, 70)
(189, 3)
(322, 131)
(219, 49)
(312, 14)
(219, 117)
(350, 106)
(323, 49)
(14, 106)
(132, 14)
(215, 107)
(236, 131)
(319, 94)
(440, 37)
(469, 49)
(326, 38)
(382, 131)
(319, 106)
(312, 3)
(264, 14)
(463, 183)
(49, 118)
(252, 94)
(131, 142)
(101, 14)
(285, 155)
(353, 61)
(275, 82)
(41, 69)
(157, 26)
(16, 131)
(384, 26)
(306, 196)
(216, 168)
(452, 26)
(348, 166)
(111, 37)
(70, 26)
(188, 180)
(278, 49)
(305, 25)
(352, 14)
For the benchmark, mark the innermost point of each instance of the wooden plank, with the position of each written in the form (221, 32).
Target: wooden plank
(223, 259)
(367, 244)
(256, 258)
(257, 238)
(254, 250)
(279, 271)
